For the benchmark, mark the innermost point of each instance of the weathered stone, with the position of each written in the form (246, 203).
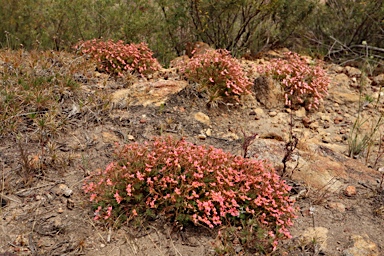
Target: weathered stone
(268, 92)
(353, 72)
(350, 191)
(301, 112)
(179, 61)
(146, 93)
(362, 246)
(272, 113)
(109, 137)
(378, 80)
(202, 118)
(318, 235)
(337, 206)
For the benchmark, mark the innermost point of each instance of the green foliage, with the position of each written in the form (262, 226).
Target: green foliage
(334, 29)
(193, 184)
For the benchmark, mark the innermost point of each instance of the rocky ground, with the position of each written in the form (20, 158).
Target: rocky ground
(340, 198)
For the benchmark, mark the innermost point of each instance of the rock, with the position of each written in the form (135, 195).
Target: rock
(197, 48)
(201, 137)
(338, 119)
(130, 137)
(337, 206)
(146, 93)
(353, 72)
(300, 112)
(259, 112)
(340, 81)
(62, 190)
(272, 113)
(179, 61)
(110, 138)
(231, 136)
(350, 191)
(318, 235)
(268, 92)
(60, 210)
(325, 117)
(208, 132)
(335, 68)
(202, 118)
(344, 97)
(362, 246)
(319, 173)
(70, 204)
(314, 125)
(306, 122)
(378, 80)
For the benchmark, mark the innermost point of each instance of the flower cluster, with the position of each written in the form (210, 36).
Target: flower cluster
(116, 57)
(304, 84)
(218, 73)
(192, 184)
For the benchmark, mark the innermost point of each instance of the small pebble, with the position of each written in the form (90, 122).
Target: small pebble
(350, 191)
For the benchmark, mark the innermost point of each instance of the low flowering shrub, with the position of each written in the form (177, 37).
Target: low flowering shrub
(192, 184)
(116, 57)
(303, 84)
(218, 73)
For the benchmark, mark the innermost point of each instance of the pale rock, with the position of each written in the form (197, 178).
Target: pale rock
(314, 125)
(109, 137)
(326, 138)
(268, 92)
(201, 136)
(180, 61)
(353, 72)
(378, 80)
(350, 191)
(259, 112)
(130, 137)
(340, 80)
(202, 118)
(62, 190)
(231, 136)
(272, 113)
(325, 117)
(337, 206)
(335, 68)
(208, 132)
(361, 246)
(300, 112)
(146, 93)
(319, 173)
(319, 235)
(345, 97)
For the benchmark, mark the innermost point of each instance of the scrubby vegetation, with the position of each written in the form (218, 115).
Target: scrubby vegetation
(334, 29)
(193, 184)
(218, 73)
(116, 58)
(305, 82)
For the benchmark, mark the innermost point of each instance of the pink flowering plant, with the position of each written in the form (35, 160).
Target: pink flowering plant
(116, 57)
(219, 74)
(304, 84)
(190, 184)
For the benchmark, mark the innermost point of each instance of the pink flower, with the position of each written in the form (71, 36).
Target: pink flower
(118, 197)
